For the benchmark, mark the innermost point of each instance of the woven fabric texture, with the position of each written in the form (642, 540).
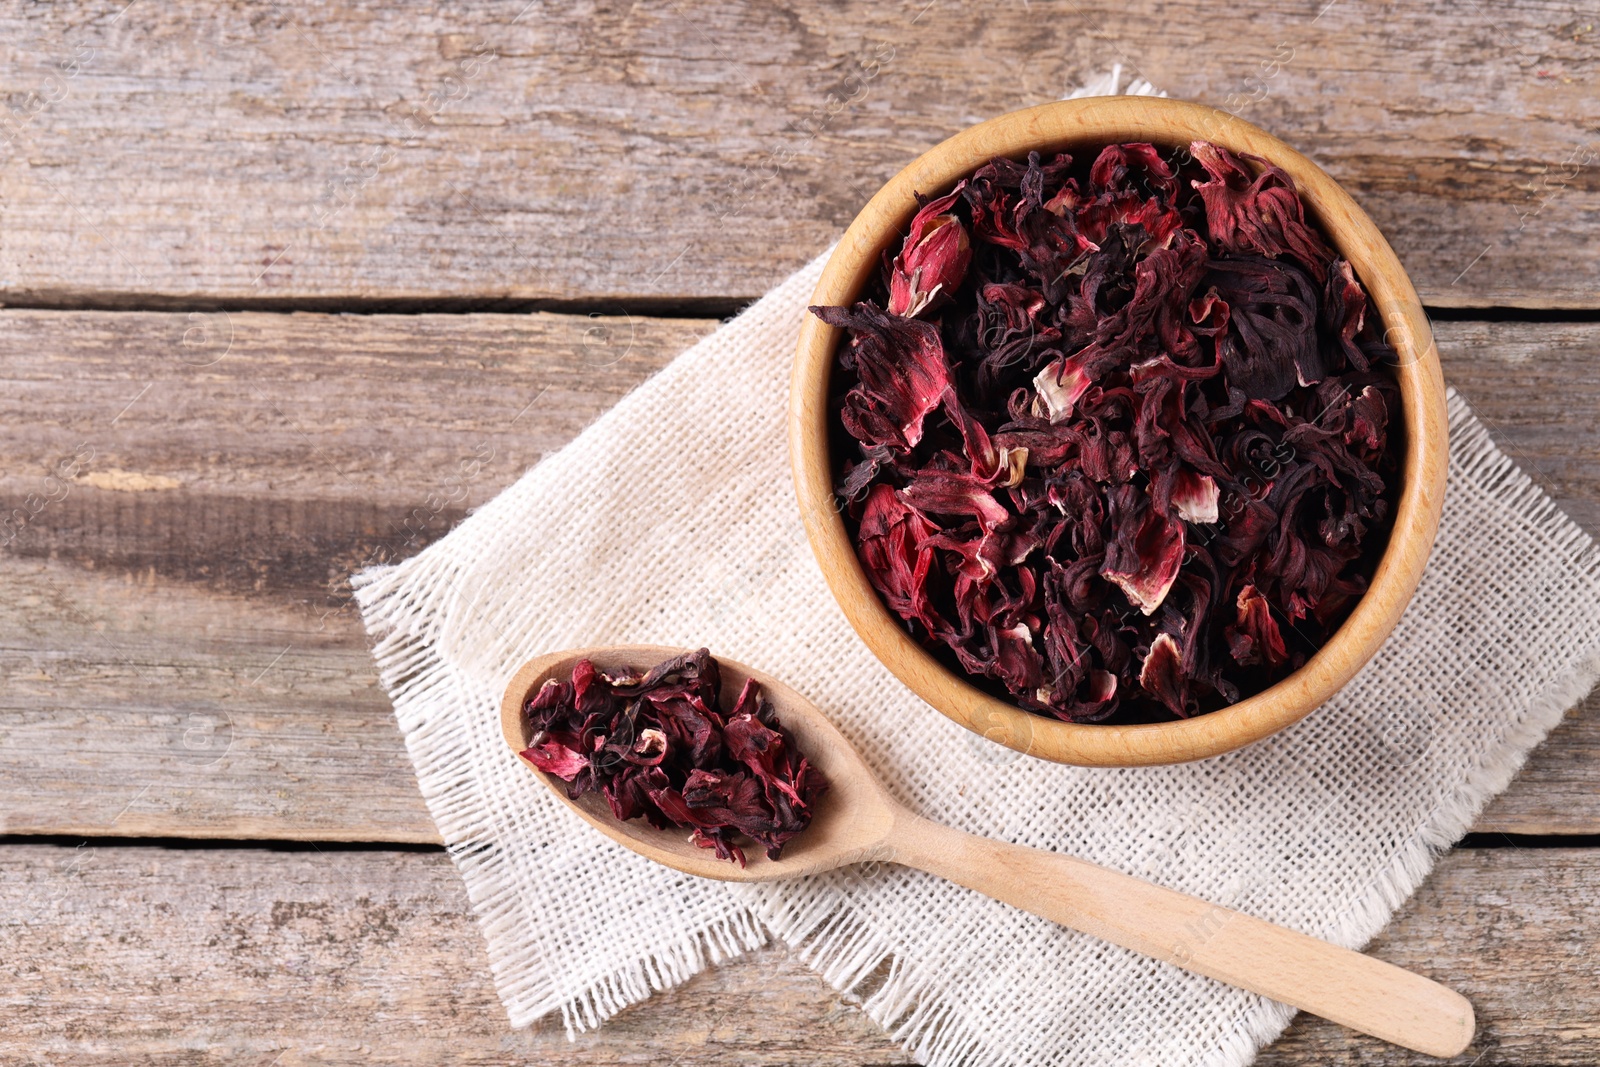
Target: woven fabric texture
(672, 521)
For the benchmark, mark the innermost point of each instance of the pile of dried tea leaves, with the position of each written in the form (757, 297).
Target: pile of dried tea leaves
(656, 745)
(1118, 437)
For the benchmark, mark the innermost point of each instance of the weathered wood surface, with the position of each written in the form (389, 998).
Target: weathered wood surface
(178, 648)
(136, 955)
(178, 655)
(654, 154)
(1537, 388)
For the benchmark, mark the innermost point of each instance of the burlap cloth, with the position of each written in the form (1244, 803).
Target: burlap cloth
(672, 520)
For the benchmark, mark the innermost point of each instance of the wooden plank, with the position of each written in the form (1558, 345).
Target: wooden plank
(178, 656)
(1510, 929)
(1537, 389)
(179, 652)
(156, 956)
(640, 155)
(152, 956)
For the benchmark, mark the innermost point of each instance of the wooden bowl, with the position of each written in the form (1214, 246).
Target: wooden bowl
(1080, 125)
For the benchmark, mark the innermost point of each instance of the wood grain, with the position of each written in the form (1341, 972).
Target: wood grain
(178, 655)
(646, 154)
(184, 661)
(157, 956)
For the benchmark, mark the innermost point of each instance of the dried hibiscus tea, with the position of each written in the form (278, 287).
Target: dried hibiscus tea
(1116, 432)
(657, 744)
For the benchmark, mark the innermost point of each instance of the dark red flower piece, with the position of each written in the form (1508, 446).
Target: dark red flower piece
(954, 494)
(901, 374)
(1344, 312)
(1161, 674)
(553, 756)
(1145, 549)
(1195, 497)
(1369, 417)
(1259, 213)
(1132, 168)
(1271, 343)
(933, 260)
(892, 542)
(1254, 637)
(1059, 386)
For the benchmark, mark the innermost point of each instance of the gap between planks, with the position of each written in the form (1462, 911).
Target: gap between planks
(657, 306)
(332, 846)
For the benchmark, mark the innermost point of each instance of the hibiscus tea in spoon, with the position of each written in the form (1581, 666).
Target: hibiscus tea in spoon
(859, 821)
(658, 745)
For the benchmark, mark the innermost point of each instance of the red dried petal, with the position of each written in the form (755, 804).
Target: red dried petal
(1195, 496)
(1255, 637)
(892, 546)
(1271, 342)
(763, 751)
(1128, 167)
(1161, 674)
(1344, 312)
(1144, 554)
(1060, 385)
(1015, 660)
(1369, 417)
(939, 492)
(553, 757)
(902, 374)
(933, 260)
(1260, 214)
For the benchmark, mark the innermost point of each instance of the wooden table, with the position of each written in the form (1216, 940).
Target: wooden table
(290, 290)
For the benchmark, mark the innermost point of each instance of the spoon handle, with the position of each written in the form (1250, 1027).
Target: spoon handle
(1335, 983)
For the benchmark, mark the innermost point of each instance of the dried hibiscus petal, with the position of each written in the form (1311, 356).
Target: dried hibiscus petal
(1161, 674)
(1261, 213)
(1144, 551)
(901, 374)
(554, 757)
(893, 542)
(1255, 637)
(933, 261)
(1121, 431)
(1059, 386)
(1195, 497)
(656, 745)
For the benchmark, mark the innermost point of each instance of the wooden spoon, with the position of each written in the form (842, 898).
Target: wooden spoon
(858, 821)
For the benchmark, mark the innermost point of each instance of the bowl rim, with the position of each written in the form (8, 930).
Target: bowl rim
(1094, 122)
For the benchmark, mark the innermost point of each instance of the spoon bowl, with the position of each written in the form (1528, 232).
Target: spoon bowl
(857, 820)
(852, 820)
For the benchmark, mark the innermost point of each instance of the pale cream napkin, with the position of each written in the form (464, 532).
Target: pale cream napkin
(672, 520)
